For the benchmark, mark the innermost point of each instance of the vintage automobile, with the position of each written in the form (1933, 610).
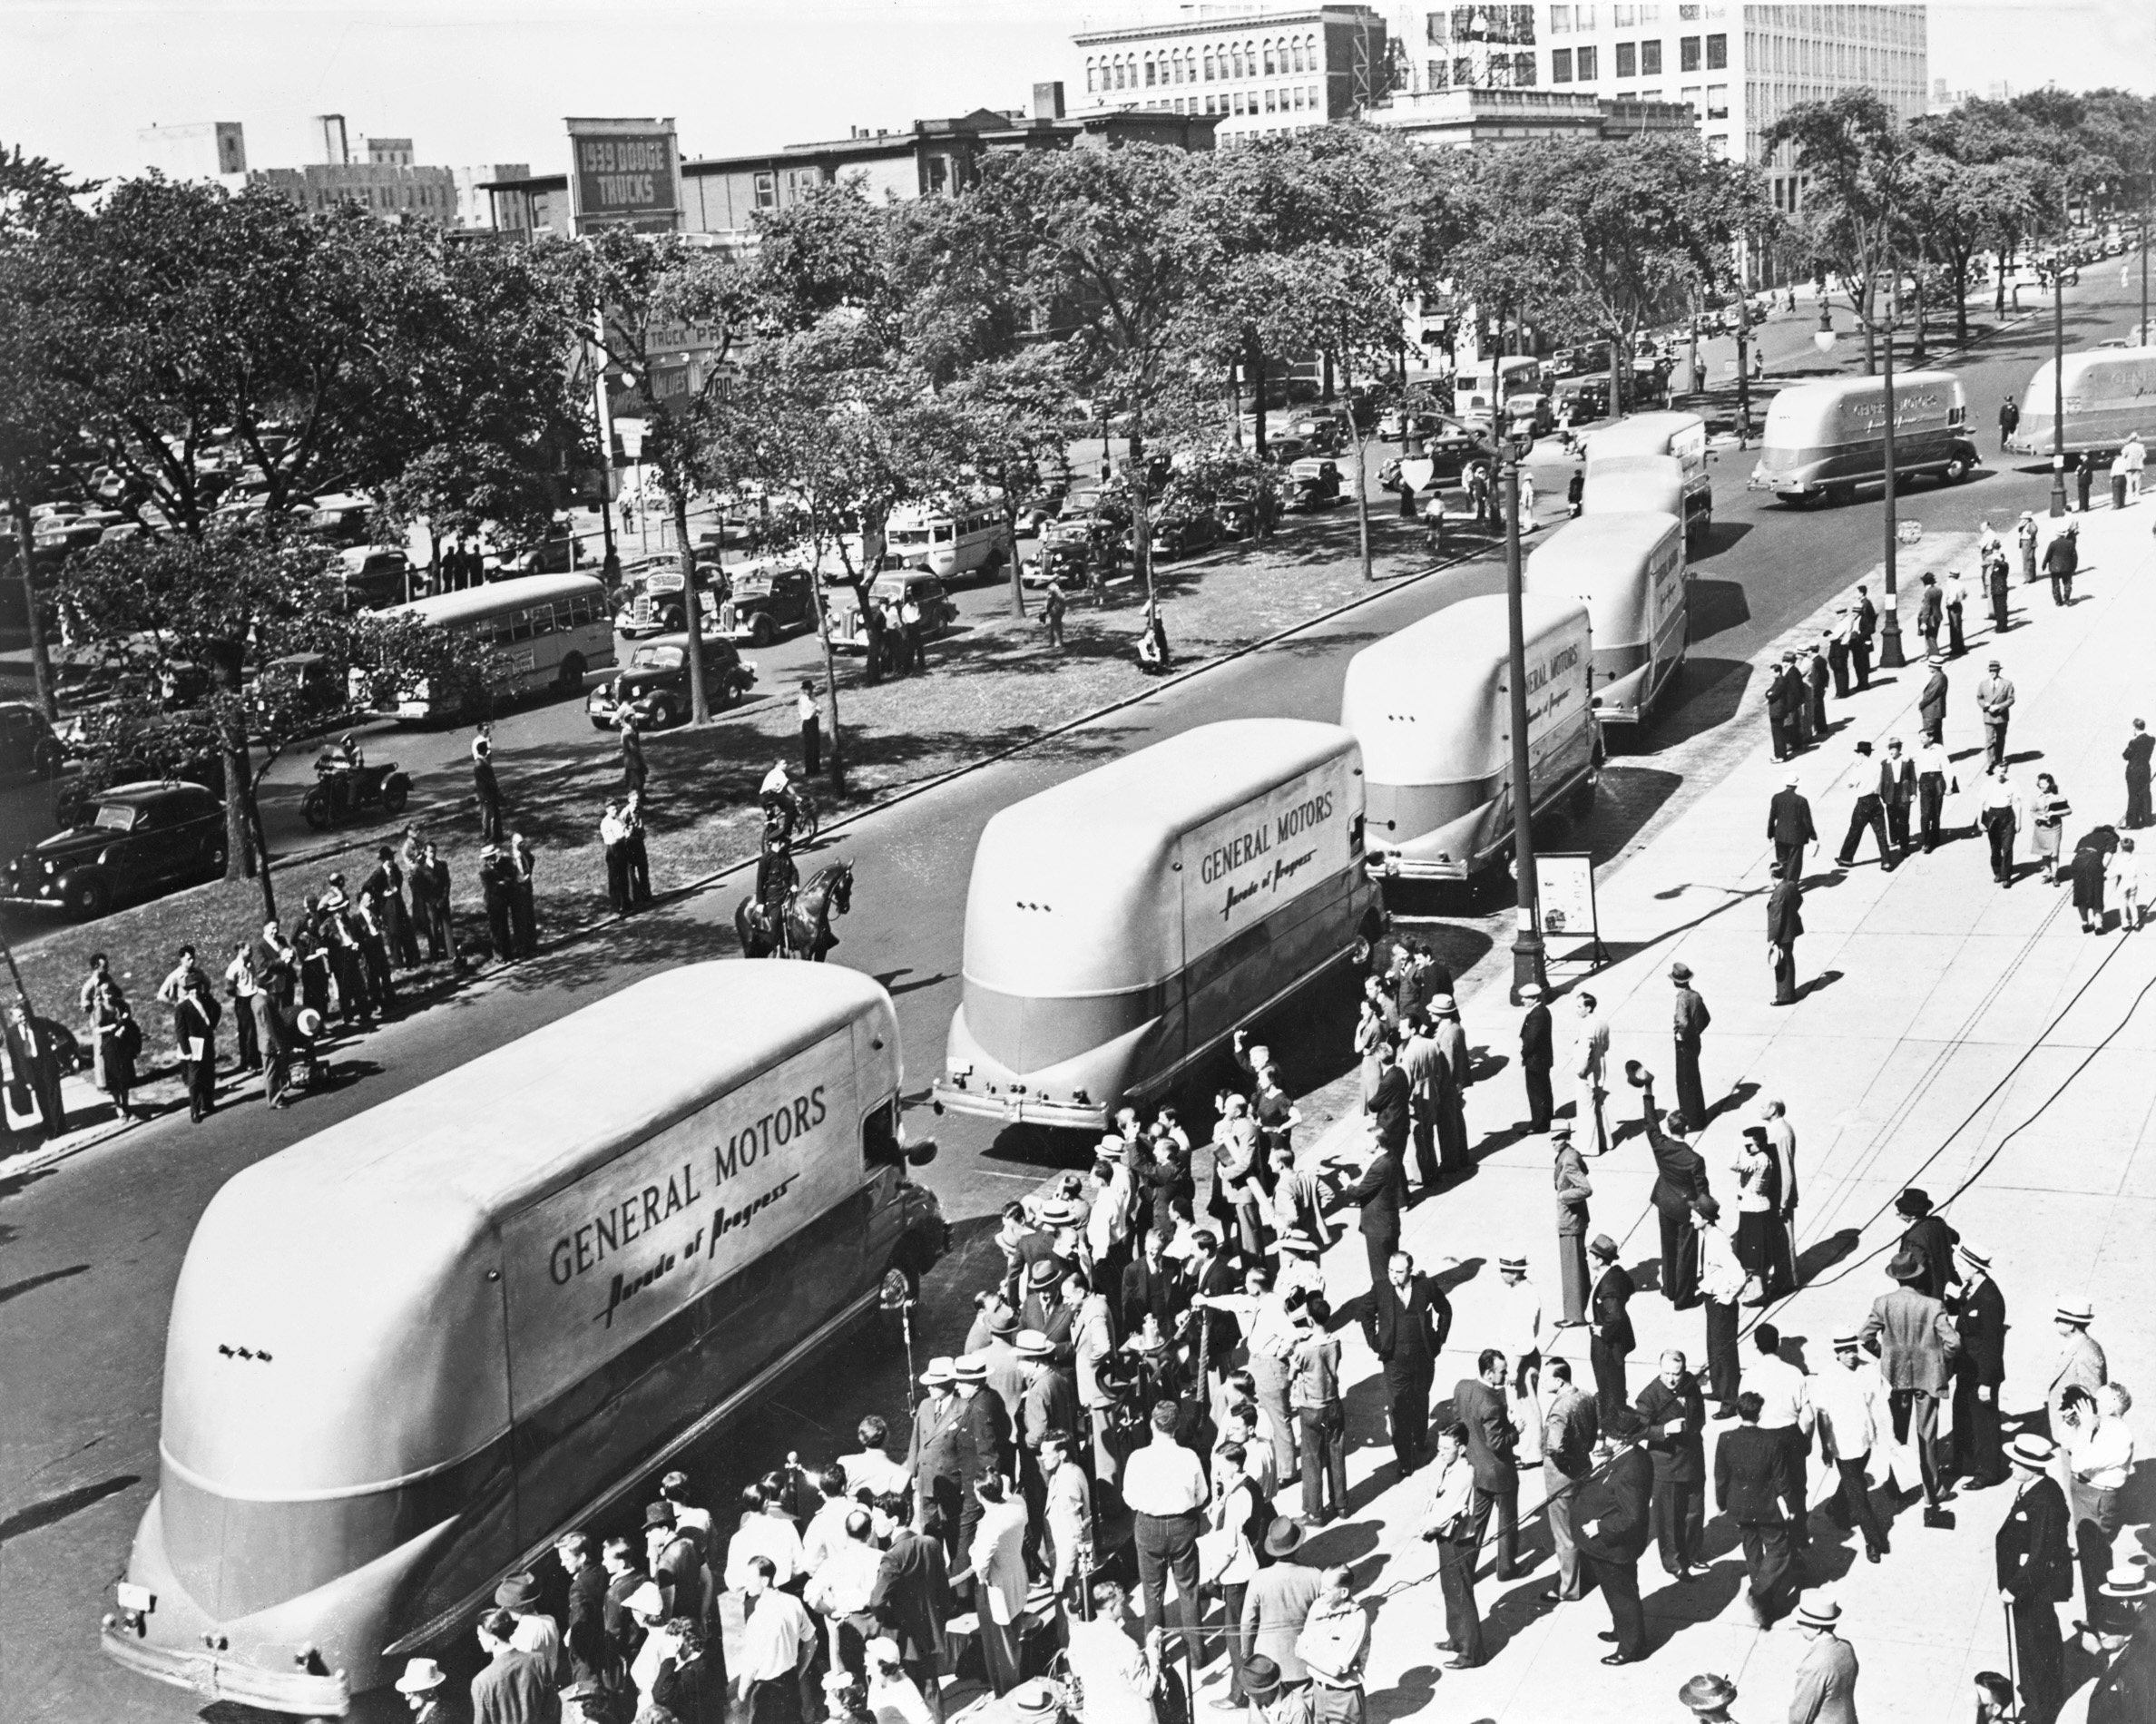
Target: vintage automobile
(28, 748)
(766, 601)
(650, 598)
(1069, 558)
(143, 841)
(1177, 533)
(654, 683)
(850, 635)
(1313, 484)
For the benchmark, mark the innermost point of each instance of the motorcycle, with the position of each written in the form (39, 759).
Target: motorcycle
(341, 792)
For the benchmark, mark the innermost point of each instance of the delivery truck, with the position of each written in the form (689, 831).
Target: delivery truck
(409, 1352)
(1629, 571)
(1432, 708)
(1120, 925)
(2111, 395)
(1824, 440)
(1679, 436)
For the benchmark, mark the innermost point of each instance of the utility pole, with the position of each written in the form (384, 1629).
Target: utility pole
(1890, 643)
(2145, 341)
(2058, 283)
(1527, 945)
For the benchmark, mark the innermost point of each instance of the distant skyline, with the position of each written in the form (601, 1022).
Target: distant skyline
(489, 80)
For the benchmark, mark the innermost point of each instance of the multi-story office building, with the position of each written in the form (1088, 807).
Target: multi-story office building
(1258, 68)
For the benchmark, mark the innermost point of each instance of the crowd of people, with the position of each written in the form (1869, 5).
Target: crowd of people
(339, 960)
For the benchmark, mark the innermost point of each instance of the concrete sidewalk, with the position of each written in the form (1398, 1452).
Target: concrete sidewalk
(1950, 1034)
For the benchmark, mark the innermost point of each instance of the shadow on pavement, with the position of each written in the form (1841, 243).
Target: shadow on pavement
(58, 1508)
(1716, 606)
(1708, 692)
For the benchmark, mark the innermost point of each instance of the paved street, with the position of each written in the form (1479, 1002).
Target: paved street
(91, 1247)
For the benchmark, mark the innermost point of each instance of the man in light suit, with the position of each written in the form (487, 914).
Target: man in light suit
(2081, 1360)
(1916, 1343)
(1278, 1601)
(1826, 1690)
(932, 1461)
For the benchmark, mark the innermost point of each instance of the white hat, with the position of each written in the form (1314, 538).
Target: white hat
(646, 1601)
(420, 1675)
(1817, 1610)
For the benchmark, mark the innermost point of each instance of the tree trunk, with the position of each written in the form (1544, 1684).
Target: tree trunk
(261, 844)
(700, 699)
(1961, 294)
(1362, 477)
(836, 765)
(434, 559)
(41, 662)
(1258, 394)
(1141, 516)
(1011, 552)
(1869, 305)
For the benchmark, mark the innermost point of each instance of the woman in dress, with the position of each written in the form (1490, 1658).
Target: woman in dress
(2048, 816)
(117, 1036)
(1758, 1201)
(2087, 870)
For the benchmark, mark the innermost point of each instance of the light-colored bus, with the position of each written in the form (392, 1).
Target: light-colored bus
(408, 1353)
(954, 541)
(1823, 440)
(1432, 708)
(2111, 394)
(1120, 925)
(1630, 572)
(549, 629)
(1683, 436)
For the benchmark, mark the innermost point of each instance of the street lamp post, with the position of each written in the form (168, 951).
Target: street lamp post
(1890, 642)
(2058, 284)
(1527, 945)
(1823, 337)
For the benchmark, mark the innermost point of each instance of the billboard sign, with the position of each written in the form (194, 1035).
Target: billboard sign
(625, 172)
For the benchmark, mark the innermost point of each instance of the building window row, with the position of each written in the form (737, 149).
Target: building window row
(1262, 57)
(1294, 98)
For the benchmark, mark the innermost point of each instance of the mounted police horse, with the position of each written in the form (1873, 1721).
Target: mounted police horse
(804, 925)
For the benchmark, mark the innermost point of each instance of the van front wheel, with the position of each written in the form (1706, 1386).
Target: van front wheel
(1954, 472)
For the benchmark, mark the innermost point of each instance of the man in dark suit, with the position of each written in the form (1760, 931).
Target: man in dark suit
(583, 1639)
(982, 1440)
(1388, 1106)
(1752, 1478)
(33, 1069)
(1901, 793)
(1785, 926)
(1478, 1402)
(1051, 1308)
(1916, 1344)
(1610, 1527)
(1980, 1314)
(1378, 1191)
(912, 1597)
(624, 1635)
(1932, 1239)
(1680, 1177)
(1676, 1415)
(2140, 755)
(1155, 1286)
(1781, 720)
(1789, 825)
(2035, 1569)
(1406, 1324)
(1537, 1057)
(1609, 1338)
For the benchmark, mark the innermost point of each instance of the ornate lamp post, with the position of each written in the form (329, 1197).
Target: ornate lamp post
(1890, 642)
(1528, 942)
(2055, 272)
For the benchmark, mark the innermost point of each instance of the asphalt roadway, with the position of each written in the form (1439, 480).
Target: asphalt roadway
(90, 1249)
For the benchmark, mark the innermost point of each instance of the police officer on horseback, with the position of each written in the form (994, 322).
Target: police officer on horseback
(777, 877)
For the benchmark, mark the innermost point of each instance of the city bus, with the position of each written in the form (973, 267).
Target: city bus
(549, 629)
(954, 541)
(408, 1353)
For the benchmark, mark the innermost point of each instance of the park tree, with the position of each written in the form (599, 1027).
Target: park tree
(1005, 420)
(638, 294)
(1852, 222)
(221, 608)
(39, 413)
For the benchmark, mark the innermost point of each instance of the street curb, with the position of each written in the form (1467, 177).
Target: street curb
(51, 1155)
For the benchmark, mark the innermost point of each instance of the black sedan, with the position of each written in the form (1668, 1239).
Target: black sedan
(141, 841)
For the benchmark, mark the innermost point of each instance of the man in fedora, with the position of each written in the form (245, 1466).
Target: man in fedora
(1569, 1427)
(1931, 704)
(1537, 1056)
(1612, 1526)
(982, 1441)
(932, 1460)
(537, 1632)
(1270, 1702)
(1680, 1179)
(1845, 1396)
(1573, 1189)
(1932, 1239)
(1708, 1697)
(1609, 1338)
(1980, 1316)
(1785, 927)
(421, 1685)
(1049, 1403)
(2080, 1359)
(1826, 1688)
(1688, 1023)
(2035, 1572)
(1916, 1342)
(1049, 1309)
(2125, 1692)
(1277, 1603)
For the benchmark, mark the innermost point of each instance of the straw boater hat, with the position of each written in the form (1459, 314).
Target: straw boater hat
(1512, 1266)
(2075, 1311)
(1561, 1128)
(1935, 658)
(2127, 1579)
(1057, 1213)
(1528, 991)
(1815, 1609)
(1853, 1342)
(1296, 1241)
(1970, 1254)
(1035, 1699)
(421, 1676)
(937, 1375)
(2030, 1451)
(1444, 1005)
(970, 1367)
(1032, 1343)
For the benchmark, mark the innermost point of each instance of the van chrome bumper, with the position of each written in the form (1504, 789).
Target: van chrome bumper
(1015, 1110)
(219, 1676)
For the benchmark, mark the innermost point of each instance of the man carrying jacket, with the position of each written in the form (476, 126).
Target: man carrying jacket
(1916, 1341)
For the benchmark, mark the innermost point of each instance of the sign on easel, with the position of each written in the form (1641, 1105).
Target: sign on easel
(1564, 884)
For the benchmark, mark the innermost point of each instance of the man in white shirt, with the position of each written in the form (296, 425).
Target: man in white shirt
(811, 724)
(1165, 1486)
(1517, 1332)
(1269, 1339)
(1721, 1287)
(1449, 1522)
(765, 1532)
(826, 1530)
(1589, 1064)
(1108, 1663)
(841, 1585)
(1934, 781)
(1867, 784)
(1786, 1413)
(2099, 1459)
(777, 1642)
(1846, 1398)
